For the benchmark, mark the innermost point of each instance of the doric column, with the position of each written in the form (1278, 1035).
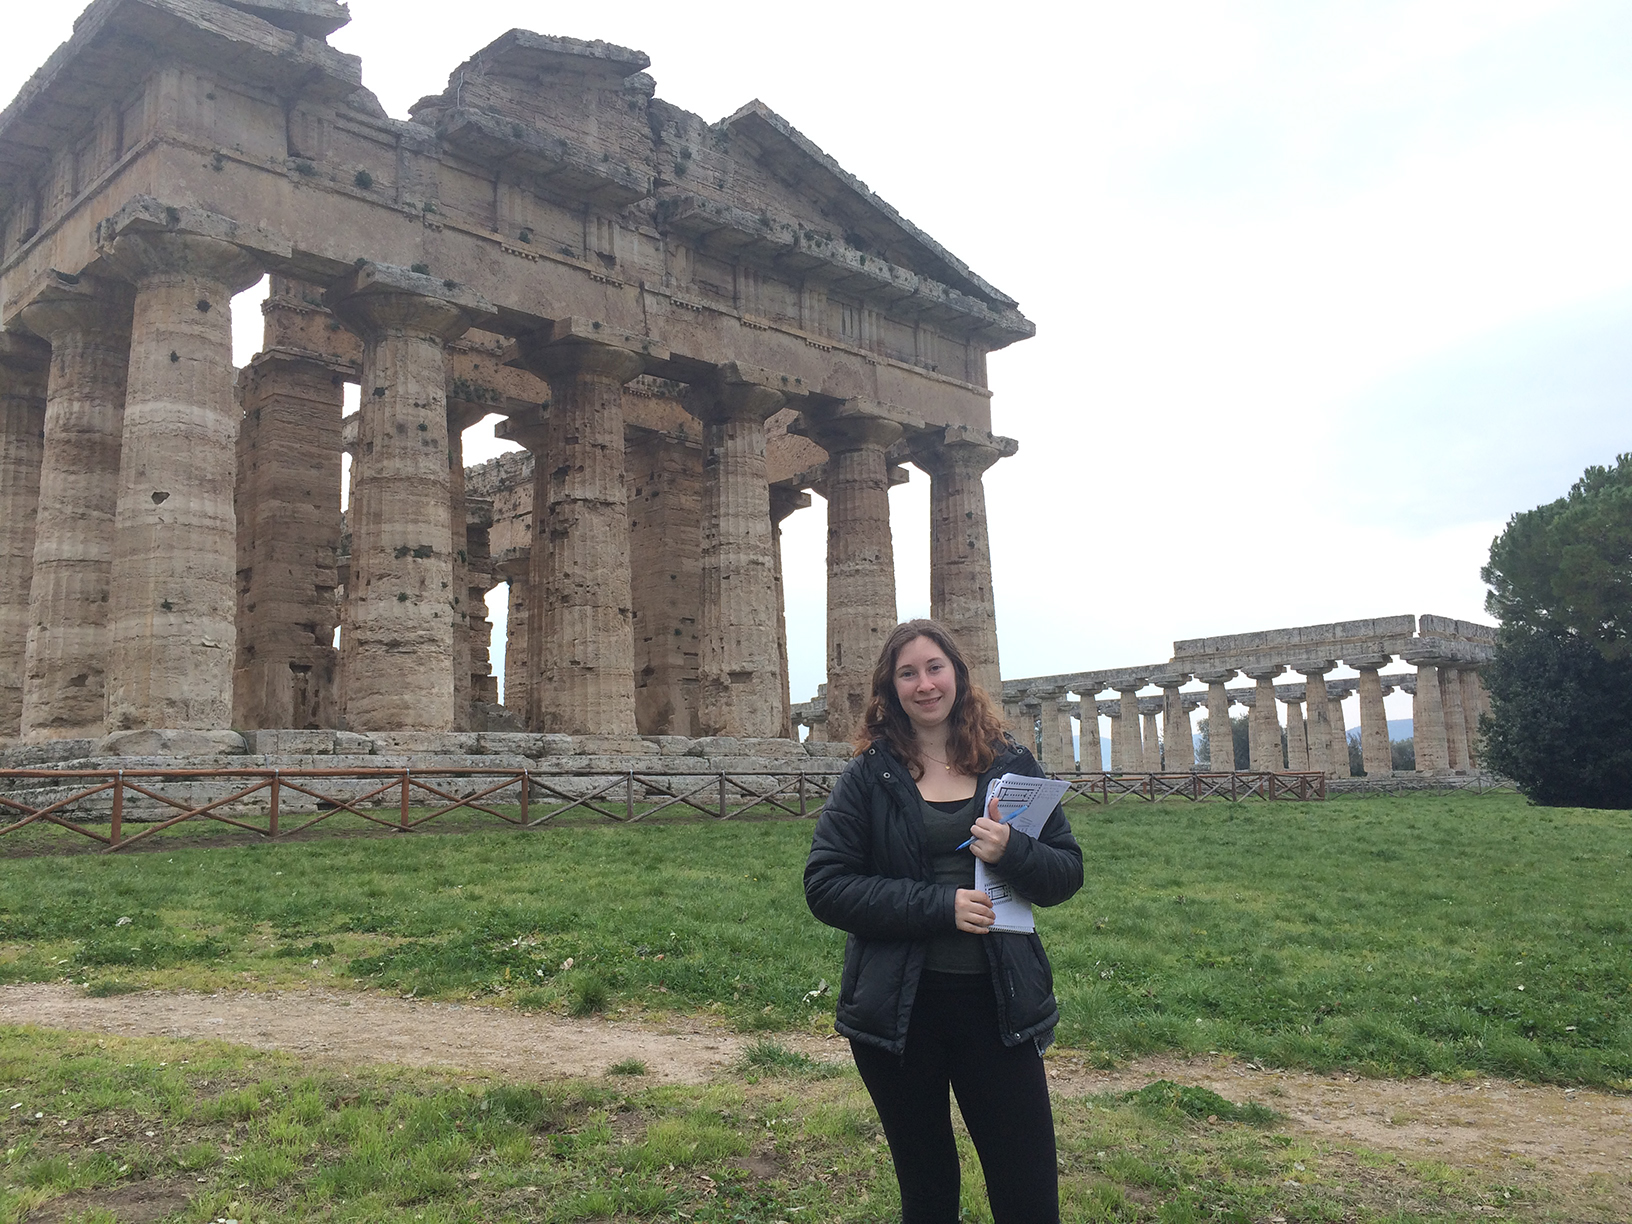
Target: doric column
(1297, 742)
(1178, 748)
(1471, 698)
(1456, 724)
(1375, 750)
(460, 418)
(23, 365)
(584, 681)
(175, 556)
(517, 674)
(960, 554)
(665, 476)
(1338, 766)
(860, 558)
(784, 501)
(1220, 737)
(1127, 743)
(398, 641)
(740, 677)
(288, 542)
(1090, 756)
(1264, 743)
(1152, 741)
(1055, 741)
(1317, 719)
(1428, 720)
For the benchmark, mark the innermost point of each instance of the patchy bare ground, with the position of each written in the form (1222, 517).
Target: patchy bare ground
(1572, 1138)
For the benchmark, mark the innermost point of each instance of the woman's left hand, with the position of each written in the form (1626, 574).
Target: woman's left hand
(990, 836)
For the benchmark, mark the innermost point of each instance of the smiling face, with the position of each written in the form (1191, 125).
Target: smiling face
(925, 683)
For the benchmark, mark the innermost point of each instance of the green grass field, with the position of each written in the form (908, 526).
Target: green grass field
(1400, 934)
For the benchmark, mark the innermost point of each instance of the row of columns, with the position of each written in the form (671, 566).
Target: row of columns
(1447, 703)
(120, 440)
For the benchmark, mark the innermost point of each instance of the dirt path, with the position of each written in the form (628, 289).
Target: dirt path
(1571, 1135)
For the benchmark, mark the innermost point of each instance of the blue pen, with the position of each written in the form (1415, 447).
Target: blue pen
(1005, 820)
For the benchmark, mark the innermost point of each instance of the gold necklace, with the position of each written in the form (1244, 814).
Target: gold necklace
(937, 760)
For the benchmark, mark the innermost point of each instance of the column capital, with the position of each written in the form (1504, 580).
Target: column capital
(785, 499)
(574, 346)
(1171, 680)
(1217, 677)
(1262, 674)
(1370, 662)
(68, 304)
(374, 299)
(847, 430)
(737, 392)
(138, 253)
(950, 447)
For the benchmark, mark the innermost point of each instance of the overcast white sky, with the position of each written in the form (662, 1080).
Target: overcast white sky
(1323, 291)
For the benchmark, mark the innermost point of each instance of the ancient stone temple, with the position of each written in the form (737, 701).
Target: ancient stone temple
(688, 325)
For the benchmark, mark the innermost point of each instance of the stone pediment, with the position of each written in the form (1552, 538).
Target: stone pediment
(860, 219)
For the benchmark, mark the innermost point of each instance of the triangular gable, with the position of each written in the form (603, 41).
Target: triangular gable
(796, 159)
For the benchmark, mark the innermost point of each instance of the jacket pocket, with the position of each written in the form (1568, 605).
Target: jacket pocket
(1043, 966)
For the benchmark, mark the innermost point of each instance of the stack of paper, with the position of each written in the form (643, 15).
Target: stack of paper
(1026, 804)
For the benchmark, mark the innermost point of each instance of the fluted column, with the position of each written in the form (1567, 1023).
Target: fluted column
(23, 379)
(175, 555)
(288, 541)
(960, 554)
(1264, 743)
(1456, 725)
(1127, 742)
(1178, 747)
(1297, 742)
(740, 676)
(517, 674)
(784, 501)
(1056, 747)
(1090, 756)
(1317, 720)
(1375, 751)
(584, 679)
(1152, 742)
(398, 642)
(1428, 721)
(1470, 712)
(1338, 766)
(860, 559)
(1220, 737)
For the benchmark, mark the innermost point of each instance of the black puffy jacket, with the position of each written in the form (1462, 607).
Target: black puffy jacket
(869, 874)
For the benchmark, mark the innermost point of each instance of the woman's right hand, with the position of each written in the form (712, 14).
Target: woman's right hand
(973, 911)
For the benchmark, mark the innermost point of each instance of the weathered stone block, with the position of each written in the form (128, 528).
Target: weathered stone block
(554, 745)
(606, 745)
(54, 753)
(424, 743)
(509, 743)
(291, 743)
(161, 743)
(348, 743)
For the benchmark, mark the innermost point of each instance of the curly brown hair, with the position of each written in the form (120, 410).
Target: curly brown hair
(976, 730)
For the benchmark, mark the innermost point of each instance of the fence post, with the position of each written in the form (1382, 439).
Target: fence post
(272, 824)
(403, 821)
(524, 777)
(722, 795)
(629, 794)
(116, 822)
(802, 811)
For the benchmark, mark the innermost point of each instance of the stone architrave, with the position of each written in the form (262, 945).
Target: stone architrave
(1470, 712)
(1178, 743)
(1456, 723)
(1090, 755)
(288, 542)
(1317, 723)
(960, 554)
(784, 501)
(23, 381)
(1297, 743)
(1126, 735)
(1264, 741)
(1375, 751)
(860, 558)
(399, 636)
(174, 596)
(584, 681)
(740, 675)
(87, 322)
(1428, 720)
(1152, 743)
(1220, 736)
(1338, 766)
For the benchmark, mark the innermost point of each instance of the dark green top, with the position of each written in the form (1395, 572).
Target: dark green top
(957, 951)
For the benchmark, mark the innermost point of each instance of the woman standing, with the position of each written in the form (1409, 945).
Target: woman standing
(930, 996)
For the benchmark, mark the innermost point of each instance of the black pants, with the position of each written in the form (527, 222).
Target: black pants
(1001, 1090)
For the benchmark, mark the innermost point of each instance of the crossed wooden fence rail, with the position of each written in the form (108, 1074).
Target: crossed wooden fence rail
(1154, 787)
(624, 798)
